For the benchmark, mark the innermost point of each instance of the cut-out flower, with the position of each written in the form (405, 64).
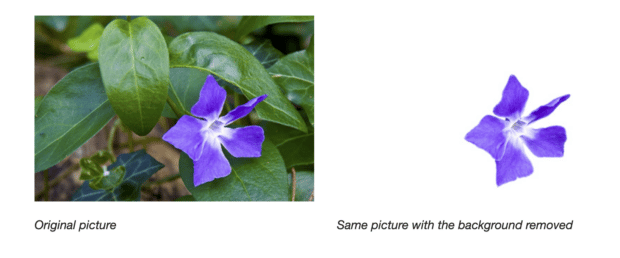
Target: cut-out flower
(202, 139)
(506, 139)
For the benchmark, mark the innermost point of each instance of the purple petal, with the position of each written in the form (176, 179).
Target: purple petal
(242, 110)
(488, 136)
(546, 142)
(513, 100)
(545, 110)
(185, 135)
(211, 100)
(213, 164)
(513, 165)
(244, 142)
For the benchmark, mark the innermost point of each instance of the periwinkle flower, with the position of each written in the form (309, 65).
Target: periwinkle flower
(506, 139)
(202, 139)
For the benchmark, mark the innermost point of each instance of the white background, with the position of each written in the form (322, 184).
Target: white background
(398, 87)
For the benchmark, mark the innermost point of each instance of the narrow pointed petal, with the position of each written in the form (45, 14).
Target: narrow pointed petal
(488, 135)
(513, 165)
(242, 110)
(212, 164)
(545, 110)
(244, 142)
(211, 100)
(185, 135)
(546, 142)
(513, 100)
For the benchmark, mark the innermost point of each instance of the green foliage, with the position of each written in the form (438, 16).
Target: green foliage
(251, 23)
(37, 102)
(251, 179)
(134, 68)
(139, 166)
(296, 147)
(73, 111)
(186, 198)
(88, 41)
(58, 23)
(186, 85)
(264, 52)
(295, 74)
(94, 169)
(304, 185)
(182, 24)
(230, 61)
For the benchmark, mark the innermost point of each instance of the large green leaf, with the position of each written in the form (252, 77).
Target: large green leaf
(185, 90)
(264, 52)
(297, 148)
(187, 82)
(231, 62)
(88, 41)
(37, 102)
(139, 167)
(295, 74)
(182, 24)
(134, 68)
(73, 111)
(251, 179)
(304, 185)
(251, 23)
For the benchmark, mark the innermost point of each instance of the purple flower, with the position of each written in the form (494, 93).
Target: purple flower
(505, 140)
(202, 139)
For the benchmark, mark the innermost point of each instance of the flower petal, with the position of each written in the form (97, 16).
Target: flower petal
(513, 100)
(244, 142)
(212, 164)
(546, 142)
(185, 135)
(242, 110)
(488, 136)
(545, 110)
(513, 165)
(211, 100)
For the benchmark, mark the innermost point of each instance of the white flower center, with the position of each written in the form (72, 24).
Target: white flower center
(515, 129)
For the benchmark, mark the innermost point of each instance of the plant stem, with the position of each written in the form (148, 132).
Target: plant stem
(174, 107)
(117, 122)
(142, 141)
(57, 180)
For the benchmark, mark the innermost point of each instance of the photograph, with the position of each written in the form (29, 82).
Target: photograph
(174, 108)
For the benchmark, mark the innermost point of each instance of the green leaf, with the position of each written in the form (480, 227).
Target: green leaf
(139, 167)
(295, 74)
(297, 148)
(187, 82)
(252, 23)
(185, 90)
(37, 102)
(134, 68)
(182, 24)
(304, 186)
(310, 49)
(251, 179)
(186, 198)
(264, 52)
(231, 62)
(73, 111)
(88, 41)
